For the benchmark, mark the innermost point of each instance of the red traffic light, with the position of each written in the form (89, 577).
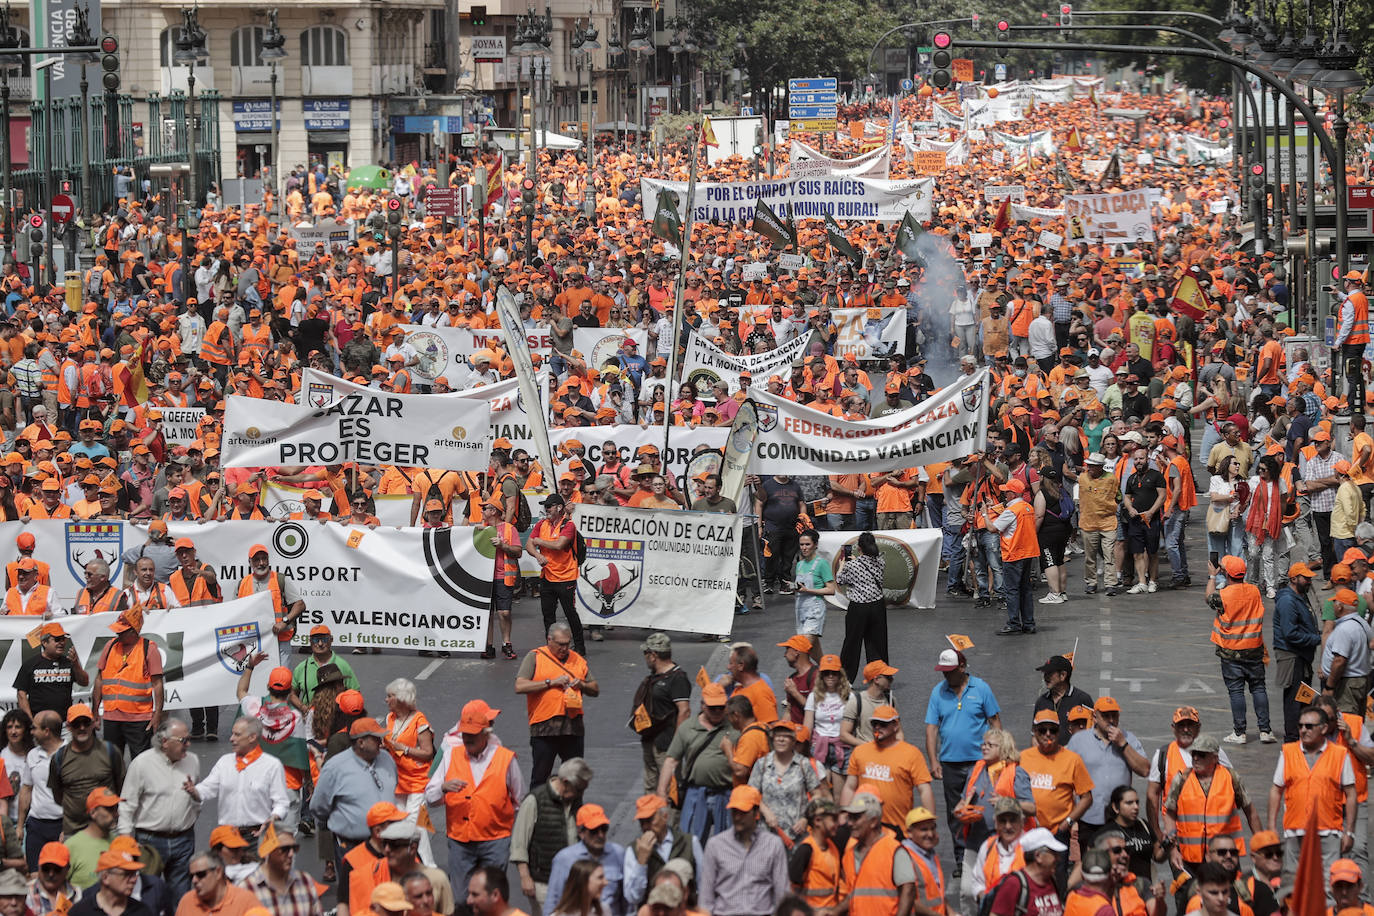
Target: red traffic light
(1044, 15)
(393, 203)
(36, 221)
(109, 44)
(1256, 169)
(942, 40)
(1003, 25)
(1066, 9)
(527, 184)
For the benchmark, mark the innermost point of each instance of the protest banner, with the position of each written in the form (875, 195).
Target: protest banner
(444, 350)
(734, 465)
(795, 439)
(840, 197)
(995, 192)
(856, 333)
(204, 650)
(911, 564)
(337, 424)
(876, 163)
(330, 232)
(281, 500)
(658, 569)
(181, 425)
(1123, 217)
(706, 364)
(407, 588)
(928, 162)
(683, 443)
(600, 346)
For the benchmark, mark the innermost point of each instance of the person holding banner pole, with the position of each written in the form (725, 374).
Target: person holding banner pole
(552, 541)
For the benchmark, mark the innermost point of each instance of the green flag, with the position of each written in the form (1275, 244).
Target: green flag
(907, 233)
(782, 233)
(839, 241)
(667, 225)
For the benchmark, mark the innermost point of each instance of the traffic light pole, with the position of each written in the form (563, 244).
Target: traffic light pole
(1314, 122)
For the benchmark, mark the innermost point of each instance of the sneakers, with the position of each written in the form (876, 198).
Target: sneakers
(1009, 630)
(1269, 592)
(1090, 588)
(508, 651)
(1054, 598)
(1138, 589)
(1237, 738)
(488, 652)
(1152, 587)
(1268, 738)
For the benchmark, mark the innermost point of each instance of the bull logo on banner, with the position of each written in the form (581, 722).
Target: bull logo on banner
(236, 645)
(87, 541)
(614, 568)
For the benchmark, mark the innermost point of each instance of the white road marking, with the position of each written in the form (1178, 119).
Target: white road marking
(429, 669)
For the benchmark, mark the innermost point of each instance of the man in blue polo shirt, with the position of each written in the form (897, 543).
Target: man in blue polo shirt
(961, 709)
(1112, 756)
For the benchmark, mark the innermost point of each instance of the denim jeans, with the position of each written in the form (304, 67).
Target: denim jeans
(953, 553)
(38, 833)
(865, 511)
(1238, 675)
(704, 813)
(1016, 574)
(988, 554)
(1175, 530)
(463, 858)
(176, 855)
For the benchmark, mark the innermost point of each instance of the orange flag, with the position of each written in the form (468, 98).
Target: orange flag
(702, 677)
(423, 821)
(960, 641)
(268, 841)
(1309, 893)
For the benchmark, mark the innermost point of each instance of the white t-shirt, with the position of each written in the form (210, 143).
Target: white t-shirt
(829, 714)
(1347, 779)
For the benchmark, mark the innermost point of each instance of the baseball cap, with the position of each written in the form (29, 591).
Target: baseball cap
(1347, 597)
(391, 897)
(1107, 704)
(110, 859)
(1301, 569)
(949, 660)
(1264, 839)
(79, 711)
(1354, 554)
(1233, 566)
(1096, 864)
(51, 628)
(830, 663)
(384, 813)
(1039, 838)
(55, 854)
(364, 728)
(863, 803)
(400, 830)
(1056, 663)
(657, 642)
(255, 550)
(592, 817)
(1187, 714)
(878, 668)
(884, 713)
(918, 815)
(1013, 486)
(320, 629)
(476, 716)
(1080, 713)
(350, 701)
(713, 695)
(157, 528)
(1046, 717)
(1004, 806)
(1346, 871)
(279, 679)
(28, 564)
(101, 797)
(1205, 744)
(227, 835)
(744, 798)
(798, 642)
(666, 894)
(26, 540)
(648, 806)
(184, 544)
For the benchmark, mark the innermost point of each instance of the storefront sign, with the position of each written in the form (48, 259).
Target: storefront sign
(254, 115)
(488, 49)
(325, 114)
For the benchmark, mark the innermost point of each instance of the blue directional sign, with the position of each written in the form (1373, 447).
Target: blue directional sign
(806, 112)
(906, 85)
(812, 103)
(811, 98)
(819, 83)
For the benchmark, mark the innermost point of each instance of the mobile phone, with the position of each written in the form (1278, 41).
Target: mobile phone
(848, 551)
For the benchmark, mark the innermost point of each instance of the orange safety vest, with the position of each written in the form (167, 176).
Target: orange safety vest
(1205, 813)
(1173, 764)
(124, 682)
(106, 602)
(212, 348)
(545, 704)
(1084, 902)
(198, 592)
(1127, 900)
(821, 886)
(1020, 542)
(872, 891)
(1240, 625)
(257, 341)
(38, 510)
(1304, 786)
(366, 871)
(1291, 510)
(49, 371)
(35, 606)
(483, 811)
(1187, 492)
(930, 883)
(278, 602)
(157, 598)
(65, 394)
(992, 863)
(411, 774)
(1356, 724)
(1359, 331)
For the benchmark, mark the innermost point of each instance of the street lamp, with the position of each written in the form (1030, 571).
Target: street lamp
(641, 43)
(190, 51)
(585, 43)
(616, 61)
(9, 63)
(273, 50)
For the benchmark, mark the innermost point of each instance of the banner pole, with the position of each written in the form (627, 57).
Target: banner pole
(686, 252)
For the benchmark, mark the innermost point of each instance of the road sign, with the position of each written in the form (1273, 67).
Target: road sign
(811, 98)
(36, 220)
(443, 202)
(63, 207)
(814, 84)
(906, 85)
(813, 103)
(999, 73)
(812, 111)
(393, 203)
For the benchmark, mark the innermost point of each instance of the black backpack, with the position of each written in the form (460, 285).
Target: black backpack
(579, 547)
(1022, 898)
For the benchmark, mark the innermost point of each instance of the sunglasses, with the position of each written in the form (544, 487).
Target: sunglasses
(197, 875)
(1046, 729)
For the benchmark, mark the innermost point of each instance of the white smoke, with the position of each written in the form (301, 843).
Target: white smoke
(940, 282)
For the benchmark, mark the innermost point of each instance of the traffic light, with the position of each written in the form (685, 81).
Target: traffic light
(109, 63)
(1066, 15)
(940, 61)
(527, 196)
(1003, 27)
(974, 21)
(1257, 182)
(1326, 269)
(393, 218)
(479, 15)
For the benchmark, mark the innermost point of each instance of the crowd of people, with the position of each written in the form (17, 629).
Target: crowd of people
(1113, 416)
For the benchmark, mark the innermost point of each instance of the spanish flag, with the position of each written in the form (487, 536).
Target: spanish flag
(496, 182)
(708, 135)
(1189, 299)
(1074, 142)
(1003, 218)
(131, 388)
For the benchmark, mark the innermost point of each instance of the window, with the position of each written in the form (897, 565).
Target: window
(245, 46)
(324, 46)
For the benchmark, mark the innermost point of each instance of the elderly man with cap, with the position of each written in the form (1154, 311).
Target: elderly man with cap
(1238, 634)
(662, 702)
(1036, 882)
(1346, 657)
(212, 893)
(890, 767)
(1112, 755)
(402, 841)
(1296, 637)
(156, 810)
(545, 823)
(877, 875)
(364, 866)
(1314, 773)
(478, 781)
(657, 844)
(99, 596)
(309, 674)
(922, 836)
(1266, 859)
(743, 871)
(29, 597)
(26, 544)
(706, 742)
(278, 884)
(46, 678)
(1059, 695)
(287, 604)
(1060, 781)
(352, 782)
(118, 878)
(1205, 800)
(961, 709)
(554, 679)
(128, 689)
(593, 827)
(1172, 759)
(1000, 853)
(51, 880)
(249, 785)
(1015, 525)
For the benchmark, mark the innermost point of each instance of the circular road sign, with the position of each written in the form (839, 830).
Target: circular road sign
(36, 220)
(62, 209)
(906, 85)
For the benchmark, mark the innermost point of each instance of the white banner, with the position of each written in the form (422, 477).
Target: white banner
(204, 650)
(445, 350)
(873, 164)
(329, 231)
(849, 198)
(1022, 212)
(658, 569)
(1039, 142)
(181, 425)
(682, 445)
(600, 346)
(338, 424)
(706, 363)
(794, 439)
(1202, 150)
(855, 332)
(408, 588)
(911, 564)
(1123, 217)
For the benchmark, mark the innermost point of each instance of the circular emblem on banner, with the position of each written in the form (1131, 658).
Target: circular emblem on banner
(290, 540)
(284, 508)
(703, 379)
(606, 350)
(704, 463)
(432, 350)
(252, 432)
(459, 433)
(899, 568)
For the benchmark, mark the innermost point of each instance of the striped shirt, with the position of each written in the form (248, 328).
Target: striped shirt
(299, 899)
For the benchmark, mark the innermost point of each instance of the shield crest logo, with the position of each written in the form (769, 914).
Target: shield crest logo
(612, 575)
(972, 397)
(87, 541)
(768, 418)
(319, 395)
(235, 646)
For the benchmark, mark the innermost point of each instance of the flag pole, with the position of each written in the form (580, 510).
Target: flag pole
(686, 250)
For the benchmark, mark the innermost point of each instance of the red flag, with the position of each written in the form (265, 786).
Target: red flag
(1074, 142)
(1309, 891)
(1189, 299)
(1003, 219)
(495, 181)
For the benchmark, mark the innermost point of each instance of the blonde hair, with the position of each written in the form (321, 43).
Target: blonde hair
(1005, 743)
(843, 690)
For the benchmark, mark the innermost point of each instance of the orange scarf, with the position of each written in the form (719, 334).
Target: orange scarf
(1266, 512)
(242, 763)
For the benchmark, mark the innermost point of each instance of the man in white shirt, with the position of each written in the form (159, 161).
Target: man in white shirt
(1041, 340)
(155, 807)
(250, 785)
(44, 822)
